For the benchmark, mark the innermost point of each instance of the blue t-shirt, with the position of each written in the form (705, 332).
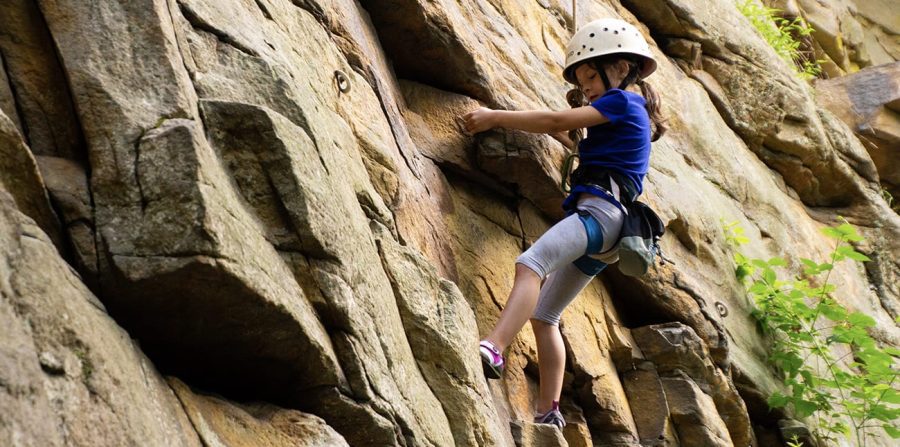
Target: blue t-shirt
(622, 144)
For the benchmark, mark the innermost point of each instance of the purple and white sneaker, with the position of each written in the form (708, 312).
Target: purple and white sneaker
(552, 417)
(491, 360)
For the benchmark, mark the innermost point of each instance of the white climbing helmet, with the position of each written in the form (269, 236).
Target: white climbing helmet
(607, 36)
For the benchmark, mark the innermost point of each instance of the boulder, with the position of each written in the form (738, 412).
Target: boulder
(19, 175)
(527, 434)
(677, 351)
(869, 103)
(67, 184)
(694, 415)
(71, 375)
(441, 326)
(648, 404)
(220, 422)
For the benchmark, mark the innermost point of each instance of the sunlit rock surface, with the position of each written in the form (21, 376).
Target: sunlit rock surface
(259, 223)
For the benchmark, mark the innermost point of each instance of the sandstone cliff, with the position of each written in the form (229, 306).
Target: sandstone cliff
(257, 222)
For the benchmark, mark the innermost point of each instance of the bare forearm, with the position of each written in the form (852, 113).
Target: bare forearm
(537, 121)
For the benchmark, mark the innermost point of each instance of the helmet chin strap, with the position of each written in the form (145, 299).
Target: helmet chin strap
(605, 79)
(632, 74)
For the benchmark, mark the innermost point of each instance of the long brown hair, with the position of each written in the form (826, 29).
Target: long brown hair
(658, 126)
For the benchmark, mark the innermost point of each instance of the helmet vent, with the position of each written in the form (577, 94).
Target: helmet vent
(620, 45)
(592, 34)
(616, 32)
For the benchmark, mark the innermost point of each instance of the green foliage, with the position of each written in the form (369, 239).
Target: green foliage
(889, 198)
(808, 329)
(783, 35)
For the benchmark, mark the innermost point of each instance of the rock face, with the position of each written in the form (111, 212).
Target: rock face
(273, 201)
(869, 103)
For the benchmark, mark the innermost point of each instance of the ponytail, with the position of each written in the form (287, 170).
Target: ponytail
(653, 109)
(658, 126)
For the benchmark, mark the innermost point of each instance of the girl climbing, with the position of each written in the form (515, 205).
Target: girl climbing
(603, 59)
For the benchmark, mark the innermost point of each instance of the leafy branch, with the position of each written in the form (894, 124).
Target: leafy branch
(784, 35)
(856, 387)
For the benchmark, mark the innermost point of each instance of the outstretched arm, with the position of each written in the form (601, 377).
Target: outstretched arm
(537, 121)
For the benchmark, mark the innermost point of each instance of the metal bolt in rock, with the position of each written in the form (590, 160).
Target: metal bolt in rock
(723, 311)
(343, 82)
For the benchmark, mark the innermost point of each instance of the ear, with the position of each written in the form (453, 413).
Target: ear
(623, 66)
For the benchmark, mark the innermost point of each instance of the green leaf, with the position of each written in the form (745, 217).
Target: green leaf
(758, 288)
(845, 229)
(777, 400)
(833, 311)
(848, 232)
(875, 360)
(804, 408)
(808, 378)
(848, 251)
(882, 413)
(861, 319)
(777, 262)
(812, 268)
(769, 276)
(891, 431)
(842, 335)
(832, 233)
(742, 271)
(891, 396)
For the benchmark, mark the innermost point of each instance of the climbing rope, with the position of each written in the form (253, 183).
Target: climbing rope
(575, 98)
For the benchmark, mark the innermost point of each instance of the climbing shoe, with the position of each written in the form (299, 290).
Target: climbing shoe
(552, 417)
(491, 360)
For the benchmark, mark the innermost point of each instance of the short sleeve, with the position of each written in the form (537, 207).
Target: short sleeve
(613, 105)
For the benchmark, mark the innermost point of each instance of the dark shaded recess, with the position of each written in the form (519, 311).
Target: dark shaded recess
(763, 419)
(477, 182)
(424, 49)
(637, 303)
(359, 424)
(207, 327)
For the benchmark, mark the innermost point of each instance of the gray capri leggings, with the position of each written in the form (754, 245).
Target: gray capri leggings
(553, 254)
